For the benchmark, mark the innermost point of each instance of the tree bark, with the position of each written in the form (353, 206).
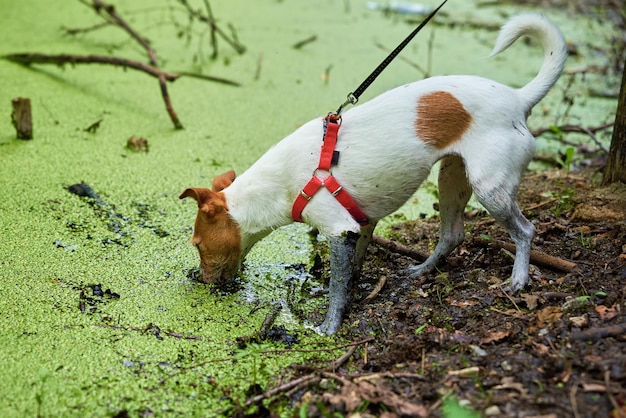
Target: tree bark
(616, 165)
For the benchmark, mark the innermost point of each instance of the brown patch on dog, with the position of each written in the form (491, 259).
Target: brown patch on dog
(441, 119)
(216, 235)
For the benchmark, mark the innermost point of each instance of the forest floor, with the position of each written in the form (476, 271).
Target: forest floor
(555, 349)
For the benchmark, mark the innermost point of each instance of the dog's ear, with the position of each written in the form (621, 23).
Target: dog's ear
(209, 202)
(223, 180)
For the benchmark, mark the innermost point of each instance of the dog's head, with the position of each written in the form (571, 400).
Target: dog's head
(216, 235)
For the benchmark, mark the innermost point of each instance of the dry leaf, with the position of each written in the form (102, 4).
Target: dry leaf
(606, 312)
(548, 315)
(495, 336)
(531, 300)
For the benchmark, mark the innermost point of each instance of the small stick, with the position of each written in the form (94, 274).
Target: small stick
(304, 42)
(336, 363)
(405, 59)
(259, 65)
(598, 333)
(269, 320)
(607, 383)
(379, 286)
(282, 388)
(539, 258)
(396, 247)
(572, 128)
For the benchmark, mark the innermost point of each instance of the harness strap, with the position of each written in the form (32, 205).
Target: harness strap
(328, 157)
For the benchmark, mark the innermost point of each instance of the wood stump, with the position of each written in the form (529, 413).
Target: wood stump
(22, 118)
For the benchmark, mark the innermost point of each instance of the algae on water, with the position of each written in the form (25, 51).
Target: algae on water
(99, 311)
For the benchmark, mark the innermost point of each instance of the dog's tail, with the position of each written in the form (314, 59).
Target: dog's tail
(554, 46)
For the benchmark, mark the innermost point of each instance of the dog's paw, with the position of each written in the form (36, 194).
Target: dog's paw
(328, 327)
(418, 270)
(513, 286)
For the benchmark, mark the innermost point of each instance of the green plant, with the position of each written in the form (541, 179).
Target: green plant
(420, 329)
(452, 408)
(566, 162)
(254, 353)
(564, 201)
(584, 241)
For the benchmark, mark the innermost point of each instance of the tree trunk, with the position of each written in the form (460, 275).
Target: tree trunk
(615, 169)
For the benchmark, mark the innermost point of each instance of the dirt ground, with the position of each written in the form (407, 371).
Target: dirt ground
(557, 349)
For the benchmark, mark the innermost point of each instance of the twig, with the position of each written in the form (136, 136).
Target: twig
(111, 15)
(541, 204)
(259, 65)
(114, 18)
(379, 286)
(577, 129)
(307, 379)
(161, 75)
(511, 299)
(413, 64)
(269, 321)
(61, 59)
(304, 42)
(75, 31)
(607, 382)
(396, 247)
(213, 27)
(537, 257)
(148, 328)
(598, 333)
(318, 350)
(572, 399)
(210, 78)
(337, 363)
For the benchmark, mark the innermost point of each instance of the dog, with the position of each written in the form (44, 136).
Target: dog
(386, 148)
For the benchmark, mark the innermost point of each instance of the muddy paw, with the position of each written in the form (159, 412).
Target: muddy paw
(418, 270)
(328, 327)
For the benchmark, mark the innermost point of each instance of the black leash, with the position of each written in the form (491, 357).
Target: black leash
(353, 97)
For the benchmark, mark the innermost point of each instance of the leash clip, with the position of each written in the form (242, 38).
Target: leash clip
(350, 99)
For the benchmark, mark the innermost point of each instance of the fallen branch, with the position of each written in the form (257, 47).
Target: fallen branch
(62, 59)
(310, 378)
(538, 258)
(163, 76)
(598, 333)
(398, 248)
(108, 13)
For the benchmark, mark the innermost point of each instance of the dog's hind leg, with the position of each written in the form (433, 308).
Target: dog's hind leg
(361, 246)
(454, 192)
(501, 203)
(342, 269)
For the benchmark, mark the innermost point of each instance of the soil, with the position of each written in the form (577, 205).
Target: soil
(556, 349)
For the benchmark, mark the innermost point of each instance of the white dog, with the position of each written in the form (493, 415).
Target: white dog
(386, 147)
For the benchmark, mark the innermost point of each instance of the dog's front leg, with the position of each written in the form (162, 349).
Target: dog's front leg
(342, 269)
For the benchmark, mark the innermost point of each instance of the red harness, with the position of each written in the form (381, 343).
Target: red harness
(328, 157)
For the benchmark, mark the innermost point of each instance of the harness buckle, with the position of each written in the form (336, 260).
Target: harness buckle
(306, 196)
